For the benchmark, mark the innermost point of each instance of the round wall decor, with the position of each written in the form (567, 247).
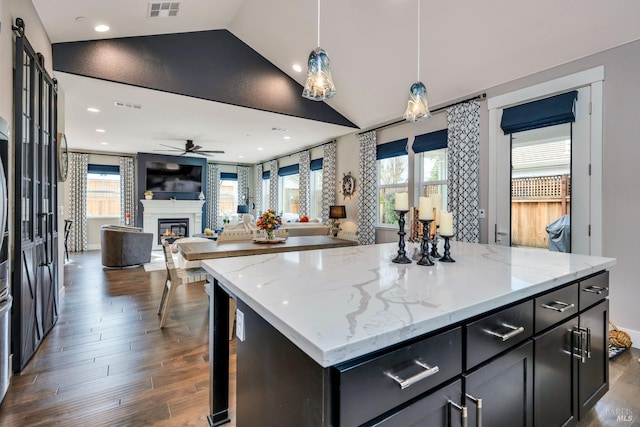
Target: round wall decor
(63, 157)
(348, 185)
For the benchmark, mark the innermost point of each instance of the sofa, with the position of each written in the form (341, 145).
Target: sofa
(125, 246)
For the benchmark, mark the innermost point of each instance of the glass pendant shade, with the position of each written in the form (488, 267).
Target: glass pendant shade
(319, 83)
(418, 106)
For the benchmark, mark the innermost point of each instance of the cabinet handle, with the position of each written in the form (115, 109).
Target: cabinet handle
(563, 306)
(583, 335)
(515, 330)
(428, 371)
(593, 289)
(478, 403)
(463, 413)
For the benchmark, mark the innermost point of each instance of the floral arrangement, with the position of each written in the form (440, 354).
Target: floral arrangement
(304, 218)
(148, 193)
(269, 222)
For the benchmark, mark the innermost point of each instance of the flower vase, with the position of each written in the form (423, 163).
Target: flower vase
(268, 234)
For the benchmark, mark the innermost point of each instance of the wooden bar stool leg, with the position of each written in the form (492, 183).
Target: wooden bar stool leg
(167, 306)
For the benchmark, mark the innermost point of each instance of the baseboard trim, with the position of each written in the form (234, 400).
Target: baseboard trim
(94, 247)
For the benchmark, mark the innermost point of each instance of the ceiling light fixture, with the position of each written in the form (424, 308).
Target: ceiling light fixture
(104, 143)
(101, 28)
(297, 68)
(418, 106)
(93, 110)
(319, 83)
(100, 130)
(287, 137)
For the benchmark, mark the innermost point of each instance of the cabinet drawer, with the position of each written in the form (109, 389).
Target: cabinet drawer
(556, 306)
(495, 333)
(594, 289)
(372, 387)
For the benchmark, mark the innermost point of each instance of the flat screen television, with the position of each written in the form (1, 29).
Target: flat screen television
(173, 177)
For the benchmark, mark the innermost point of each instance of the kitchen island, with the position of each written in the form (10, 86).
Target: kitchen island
(342, 337)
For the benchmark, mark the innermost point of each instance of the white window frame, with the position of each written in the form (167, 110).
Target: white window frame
(419, 159)
(384, 186)
(91, 176)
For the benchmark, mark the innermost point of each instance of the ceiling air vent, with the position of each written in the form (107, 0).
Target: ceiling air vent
(162, 9)
(127, 105)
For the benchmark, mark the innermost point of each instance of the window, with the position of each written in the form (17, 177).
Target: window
(228, 194)
(265, 191)
(103, 191)
(289, 189)
(315, 181)
(431, 162)
(393, 177)
(433, 172)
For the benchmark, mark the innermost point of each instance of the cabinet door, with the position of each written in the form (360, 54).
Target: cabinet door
(555, 382)
(593, 370)
(435, 410)
(506, 388)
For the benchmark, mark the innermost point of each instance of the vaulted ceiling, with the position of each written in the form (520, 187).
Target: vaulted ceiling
(465, 48)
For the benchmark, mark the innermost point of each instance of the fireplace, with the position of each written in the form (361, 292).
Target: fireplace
(171, 229)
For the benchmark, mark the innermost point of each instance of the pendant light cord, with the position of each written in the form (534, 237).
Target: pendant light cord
(418, 39)
(318, 23)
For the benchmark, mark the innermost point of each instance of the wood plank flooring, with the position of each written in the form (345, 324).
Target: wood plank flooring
(107, 363)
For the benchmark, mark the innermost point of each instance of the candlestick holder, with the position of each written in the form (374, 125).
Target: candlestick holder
(425, 259)
(447, 253)
(434, 247)
(401, 258)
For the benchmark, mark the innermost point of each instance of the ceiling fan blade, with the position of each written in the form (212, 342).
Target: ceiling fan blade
(171, 146)
(211, 151)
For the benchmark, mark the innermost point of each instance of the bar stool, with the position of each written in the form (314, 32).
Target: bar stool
(67, 230)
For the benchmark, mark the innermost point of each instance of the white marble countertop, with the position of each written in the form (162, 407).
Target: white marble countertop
(337, 304)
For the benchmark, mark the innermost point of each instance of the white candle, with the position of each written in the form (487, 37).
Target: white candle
(436, 200)
(446, 223)
(402, 201)
(425, 208)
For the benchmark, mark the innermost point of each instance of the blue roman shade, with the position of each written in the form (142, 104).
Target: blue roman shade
(430, 141)
(551, 111)
(266, 174)
(392, 149)
(228, 176)
(316, 164)
(289, 170)
(103, 169)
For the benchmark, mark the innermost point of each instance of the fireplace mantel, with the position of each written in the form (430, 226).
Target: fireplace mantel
(154, 209)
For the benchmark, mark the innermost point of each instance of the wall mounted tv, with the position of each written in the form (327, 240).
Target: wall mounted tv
(173, 177)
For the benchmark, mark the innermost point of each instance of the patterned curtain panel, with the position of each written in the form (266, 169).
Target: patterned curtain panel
(79, 164)
(464, 166)
(243, 185)
(128, 202)
(305, 184)
(273, 185)
(258, 179)
(213, 198)
(368, 189)
(328, 180)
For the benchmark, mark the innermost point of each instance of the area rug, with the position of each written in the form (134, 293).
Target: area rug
(157, 261)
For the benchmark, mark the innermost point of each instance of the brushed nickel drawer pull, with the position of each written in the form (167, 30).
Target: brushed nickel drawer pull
(463, 413)
(593, 289)
(478, 403)
(563, 306)
(428, 371)
(515, 330)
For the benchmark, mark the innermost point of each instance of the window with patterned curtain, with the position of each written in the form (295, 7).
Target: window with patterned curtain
(128, 202)
(78, 168)
(368, 189)
(328, 180)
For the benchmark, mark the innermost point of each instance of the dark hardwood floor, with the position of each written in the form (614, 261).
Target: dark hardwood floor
(107, 363)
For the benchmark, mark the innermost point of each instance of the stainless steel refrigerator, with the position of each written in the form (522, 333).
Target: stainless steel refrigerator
(5, 288)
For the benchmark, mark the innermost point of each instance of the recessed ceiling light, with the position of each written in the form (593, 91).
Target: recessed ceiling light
(101, 28)
(260, 149)
(297, 68)
(287, 137)
(104, 143)
(241, 156)
(93, 110)
(100, 130)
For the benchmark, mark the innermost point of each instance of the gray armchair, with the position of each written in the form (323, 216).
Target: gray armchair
(125, 246)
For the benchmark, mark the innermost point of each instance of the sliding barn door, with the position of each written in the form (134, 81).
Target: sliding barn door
(35, 234)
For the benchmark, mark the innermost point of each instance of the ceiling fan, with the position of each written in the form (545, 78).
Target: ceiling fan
(190, 148)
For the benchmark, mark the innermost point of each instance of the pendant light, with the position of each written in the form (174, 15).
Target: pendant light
(319, 83)
(418, 106)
